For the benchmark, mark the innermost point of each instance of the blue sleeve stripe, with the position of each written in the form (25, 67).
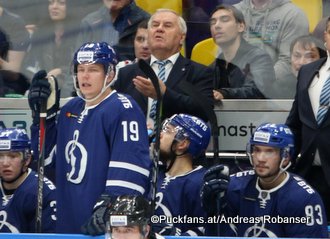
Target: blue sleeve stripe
(133, 167)
(125, 184)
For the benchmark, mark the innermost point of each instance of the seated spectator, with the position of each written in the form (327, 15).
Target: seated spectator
(271, 201)
(196, 13)
(115, 23)
(242, 71)
(53, 45)
(27, 10)
(183, 139)
(303, 50)
(12, 84)
(273, 25)
(14, 27)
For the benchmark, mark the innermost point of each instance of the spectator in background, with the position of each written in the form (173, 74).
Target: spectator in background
(14, 28)
(53, 45)
(183, 139)
(318, 31)
(303, 50)
(129, 218)
(19, 187)
(273, 25)
(141, 47)
(196, 13)
(242, 71)
(12, 84)
(33, 12)
(166, 35)
(309, 119)
(115, 23)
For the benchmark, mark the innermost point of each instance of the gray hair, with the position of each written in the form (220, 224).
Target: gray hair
(181, 22)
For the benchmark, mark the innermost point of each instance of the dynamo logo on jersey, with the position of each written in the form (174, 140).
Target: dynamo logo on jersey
(261, 137)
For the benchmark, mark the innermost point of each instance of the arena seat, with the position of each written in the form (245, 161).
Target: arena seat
(313, 10)
(204, 52)
(151, 5)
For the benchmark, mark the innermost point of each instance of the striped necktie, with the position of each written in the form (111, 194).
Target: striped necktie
(161, 76)
(324, 102)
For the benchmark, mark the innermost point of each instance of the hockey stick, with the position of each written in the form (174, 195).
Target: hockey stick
(145, 67)
(41, 165)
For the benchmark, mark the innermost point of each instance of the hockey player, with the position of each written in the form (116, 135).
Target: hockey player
(19, 186)
(129, 218)
(183, 139)
(267, 201)
(101, 140)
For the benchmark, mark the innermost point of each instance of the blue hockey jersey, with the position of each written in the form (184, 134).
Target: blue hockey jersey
(99, 149)
(18, 210)
(178, 198)
(292, 209)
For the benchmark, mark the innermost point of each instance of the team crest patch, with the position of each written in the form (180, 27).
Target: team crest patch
(118, 221)
(5, 144)
(261, 137)
(85, 56)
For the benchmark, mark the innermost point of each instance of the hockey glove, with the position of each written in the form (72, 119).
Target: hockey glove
(96, 224)
(216, 180)
(43, 89)
(165, 229)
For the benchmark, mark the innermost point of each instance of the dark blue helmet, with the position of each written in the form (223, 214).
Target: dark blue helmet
(192, 128)
(95, 52)
(13, 139)
(274, 135)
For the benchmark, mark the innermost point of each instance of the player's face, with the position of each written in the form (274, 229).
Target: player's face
(128, 232)
(303, 54)
(224, 28)
(165, 37)
(266, 161)
(11, 165)
(166, 139)
(57, 9)
(141, 47)
(90, 79)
